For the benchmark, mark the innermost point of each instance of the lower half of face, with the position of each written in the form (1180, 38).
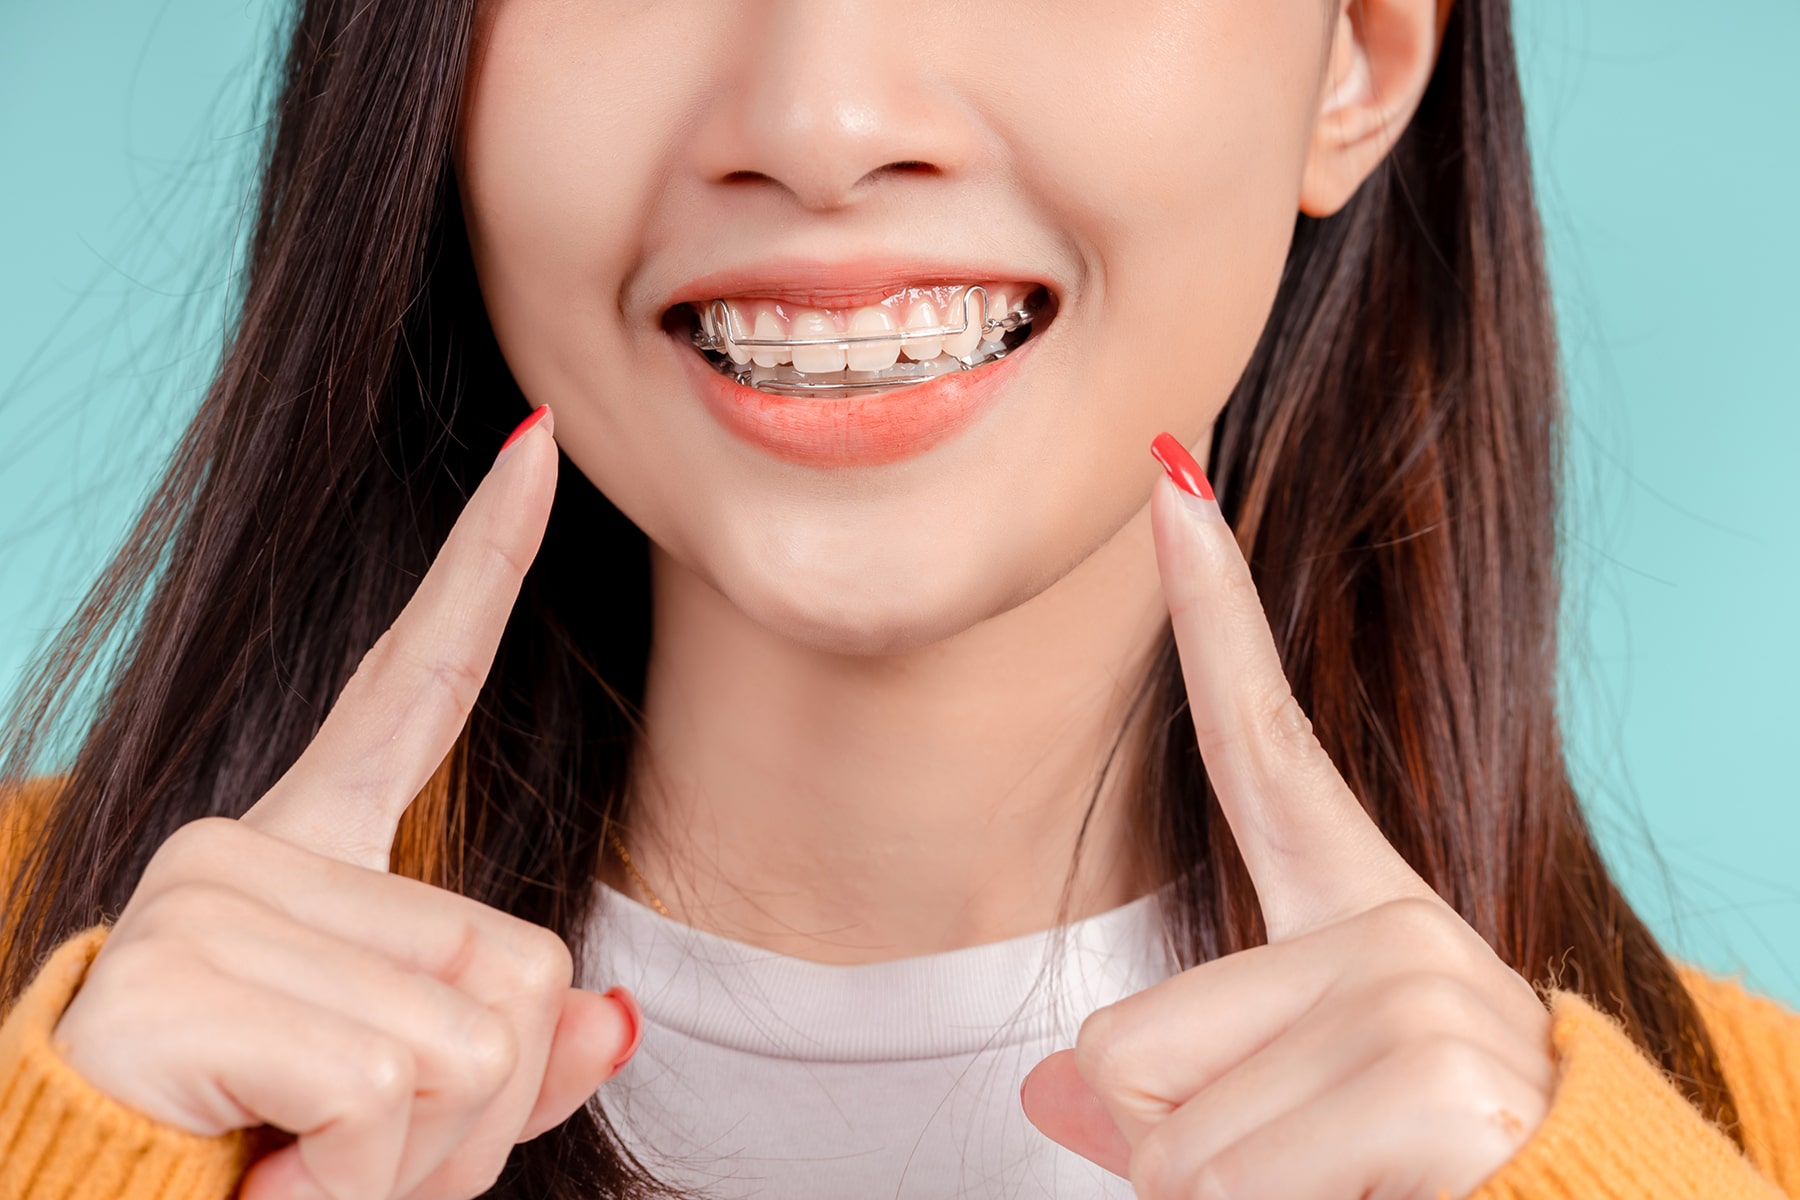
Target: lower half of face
(648, 185)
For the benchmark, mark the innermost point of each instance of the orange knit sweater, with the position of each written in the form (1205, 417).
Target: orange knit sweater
(1617, 1127)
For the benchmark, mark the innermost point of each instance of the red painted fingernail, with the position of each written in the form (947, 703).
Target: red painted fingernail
(636, 1016)
(538, 416)
(1181, 466)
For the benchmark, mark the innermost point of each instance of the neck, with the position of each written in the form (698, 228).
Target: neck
(848, 808)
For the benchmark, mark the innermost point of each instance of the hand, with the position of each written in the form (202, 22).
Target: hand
(269, 971)
(1376, 1046)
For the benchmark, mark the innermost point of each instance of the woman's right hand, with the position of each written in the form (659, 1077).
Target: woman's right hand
(269, 971)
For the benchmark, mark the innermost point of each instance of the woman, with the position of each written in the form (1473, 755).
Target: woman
(831, 696)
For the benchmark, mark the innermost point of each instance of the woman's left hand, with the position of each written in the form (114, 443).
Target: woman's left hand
(1376, 1046)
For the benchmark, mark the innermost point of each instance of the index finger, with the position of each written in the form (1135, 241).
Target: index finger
(406, 704)
(1313, 853)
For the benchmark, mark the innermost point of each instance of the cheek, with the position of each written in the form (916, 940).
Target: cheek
(558, 154)
(1178, 165)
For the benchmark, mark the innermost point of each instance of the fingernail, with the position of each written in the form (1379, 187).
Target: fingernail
(1180, 465)
(635, 1015)
(539, 416)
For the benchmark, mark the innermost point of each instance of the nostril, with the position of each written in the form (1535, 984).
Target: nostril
(909, 166)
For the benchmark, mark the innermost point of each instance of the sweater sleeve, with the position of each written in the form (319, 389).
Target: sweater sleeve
(1758, 1042)
(60, 1139)
(1619, 1128)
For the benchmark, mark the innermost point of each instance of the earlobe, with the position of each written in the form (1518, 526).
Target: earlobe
(1382, 56)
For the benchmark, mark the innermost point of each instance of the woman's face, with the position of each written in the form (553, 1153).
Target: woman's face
(1141, 160)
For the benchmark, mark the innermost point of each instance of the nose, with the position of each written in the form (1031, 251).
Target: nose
(827, 96)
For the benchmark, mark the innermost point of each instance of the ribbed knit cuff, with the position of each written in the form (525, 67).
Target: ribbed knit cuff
(1619, 1128)
(60, 1139)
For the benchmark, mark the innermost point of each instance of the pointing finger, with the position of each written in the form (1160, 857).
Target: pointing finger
(403, 708)
(1312, 852)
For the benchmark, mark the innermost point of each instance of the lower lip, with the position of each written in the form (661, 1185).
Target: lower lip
(855, 431)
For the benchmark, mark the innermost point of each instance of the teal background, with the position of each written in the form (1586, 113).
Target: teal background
(1666, 153)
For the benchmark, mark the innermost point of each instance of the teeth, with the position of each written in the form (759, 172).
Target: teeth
(739, 354)
(999, 304)
(924, 315)
(816, 360)
(768, 325)
(961, 345)
(873, 356)
(866, 342)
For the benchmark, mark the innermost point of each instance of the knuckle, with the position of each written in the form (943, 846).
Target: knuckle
(376, 660)
(505, 556)
(544, 966)
(193, 848)
(187, 910)
(458, 681)
(382, 1075)
(396, 681)
(1430, 930)
(449, 674)
(1427, 1003)
(471, 946)
(1450, 1072)
(1214, 732)
(125, 961)
(1285, 725)
(136, 971)
(1237, 583)
(489, 1055)
(1101, 1054)
(1410, 921)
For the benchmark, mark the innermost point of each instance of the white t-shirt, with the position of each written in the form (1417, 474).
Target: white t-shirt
(761, 1075)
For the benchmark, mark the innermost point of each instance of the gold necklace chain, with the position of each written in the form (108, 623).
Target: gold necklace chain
(618, 845)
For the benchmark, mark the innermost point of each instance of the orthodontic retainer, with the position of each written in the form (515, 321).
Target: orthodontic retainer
(784, 380)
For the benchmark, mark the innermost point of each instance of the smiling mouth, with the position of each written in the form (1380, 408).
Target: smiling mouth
(910, 337)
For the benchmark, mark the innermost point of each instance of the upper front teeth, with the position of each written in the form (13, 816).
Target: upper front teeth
(920, 323)
(811, 355)
(878, 353)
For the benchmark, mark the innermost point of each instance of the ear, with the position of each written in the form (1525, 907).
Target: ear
(1382, 55)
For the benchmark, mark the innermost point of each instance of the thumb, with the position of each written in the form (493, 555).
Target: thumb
(595, 1037)
(1065, 1109)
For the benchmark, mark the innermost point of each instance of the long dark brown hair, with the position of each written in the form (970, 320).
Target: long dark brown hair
(1390, 461)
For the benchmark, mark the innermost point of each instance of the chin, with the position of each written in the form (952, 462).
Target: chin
(864, 606)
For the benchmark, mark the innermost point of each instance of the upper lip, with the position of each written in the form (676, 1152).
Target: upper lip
(841, 284)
